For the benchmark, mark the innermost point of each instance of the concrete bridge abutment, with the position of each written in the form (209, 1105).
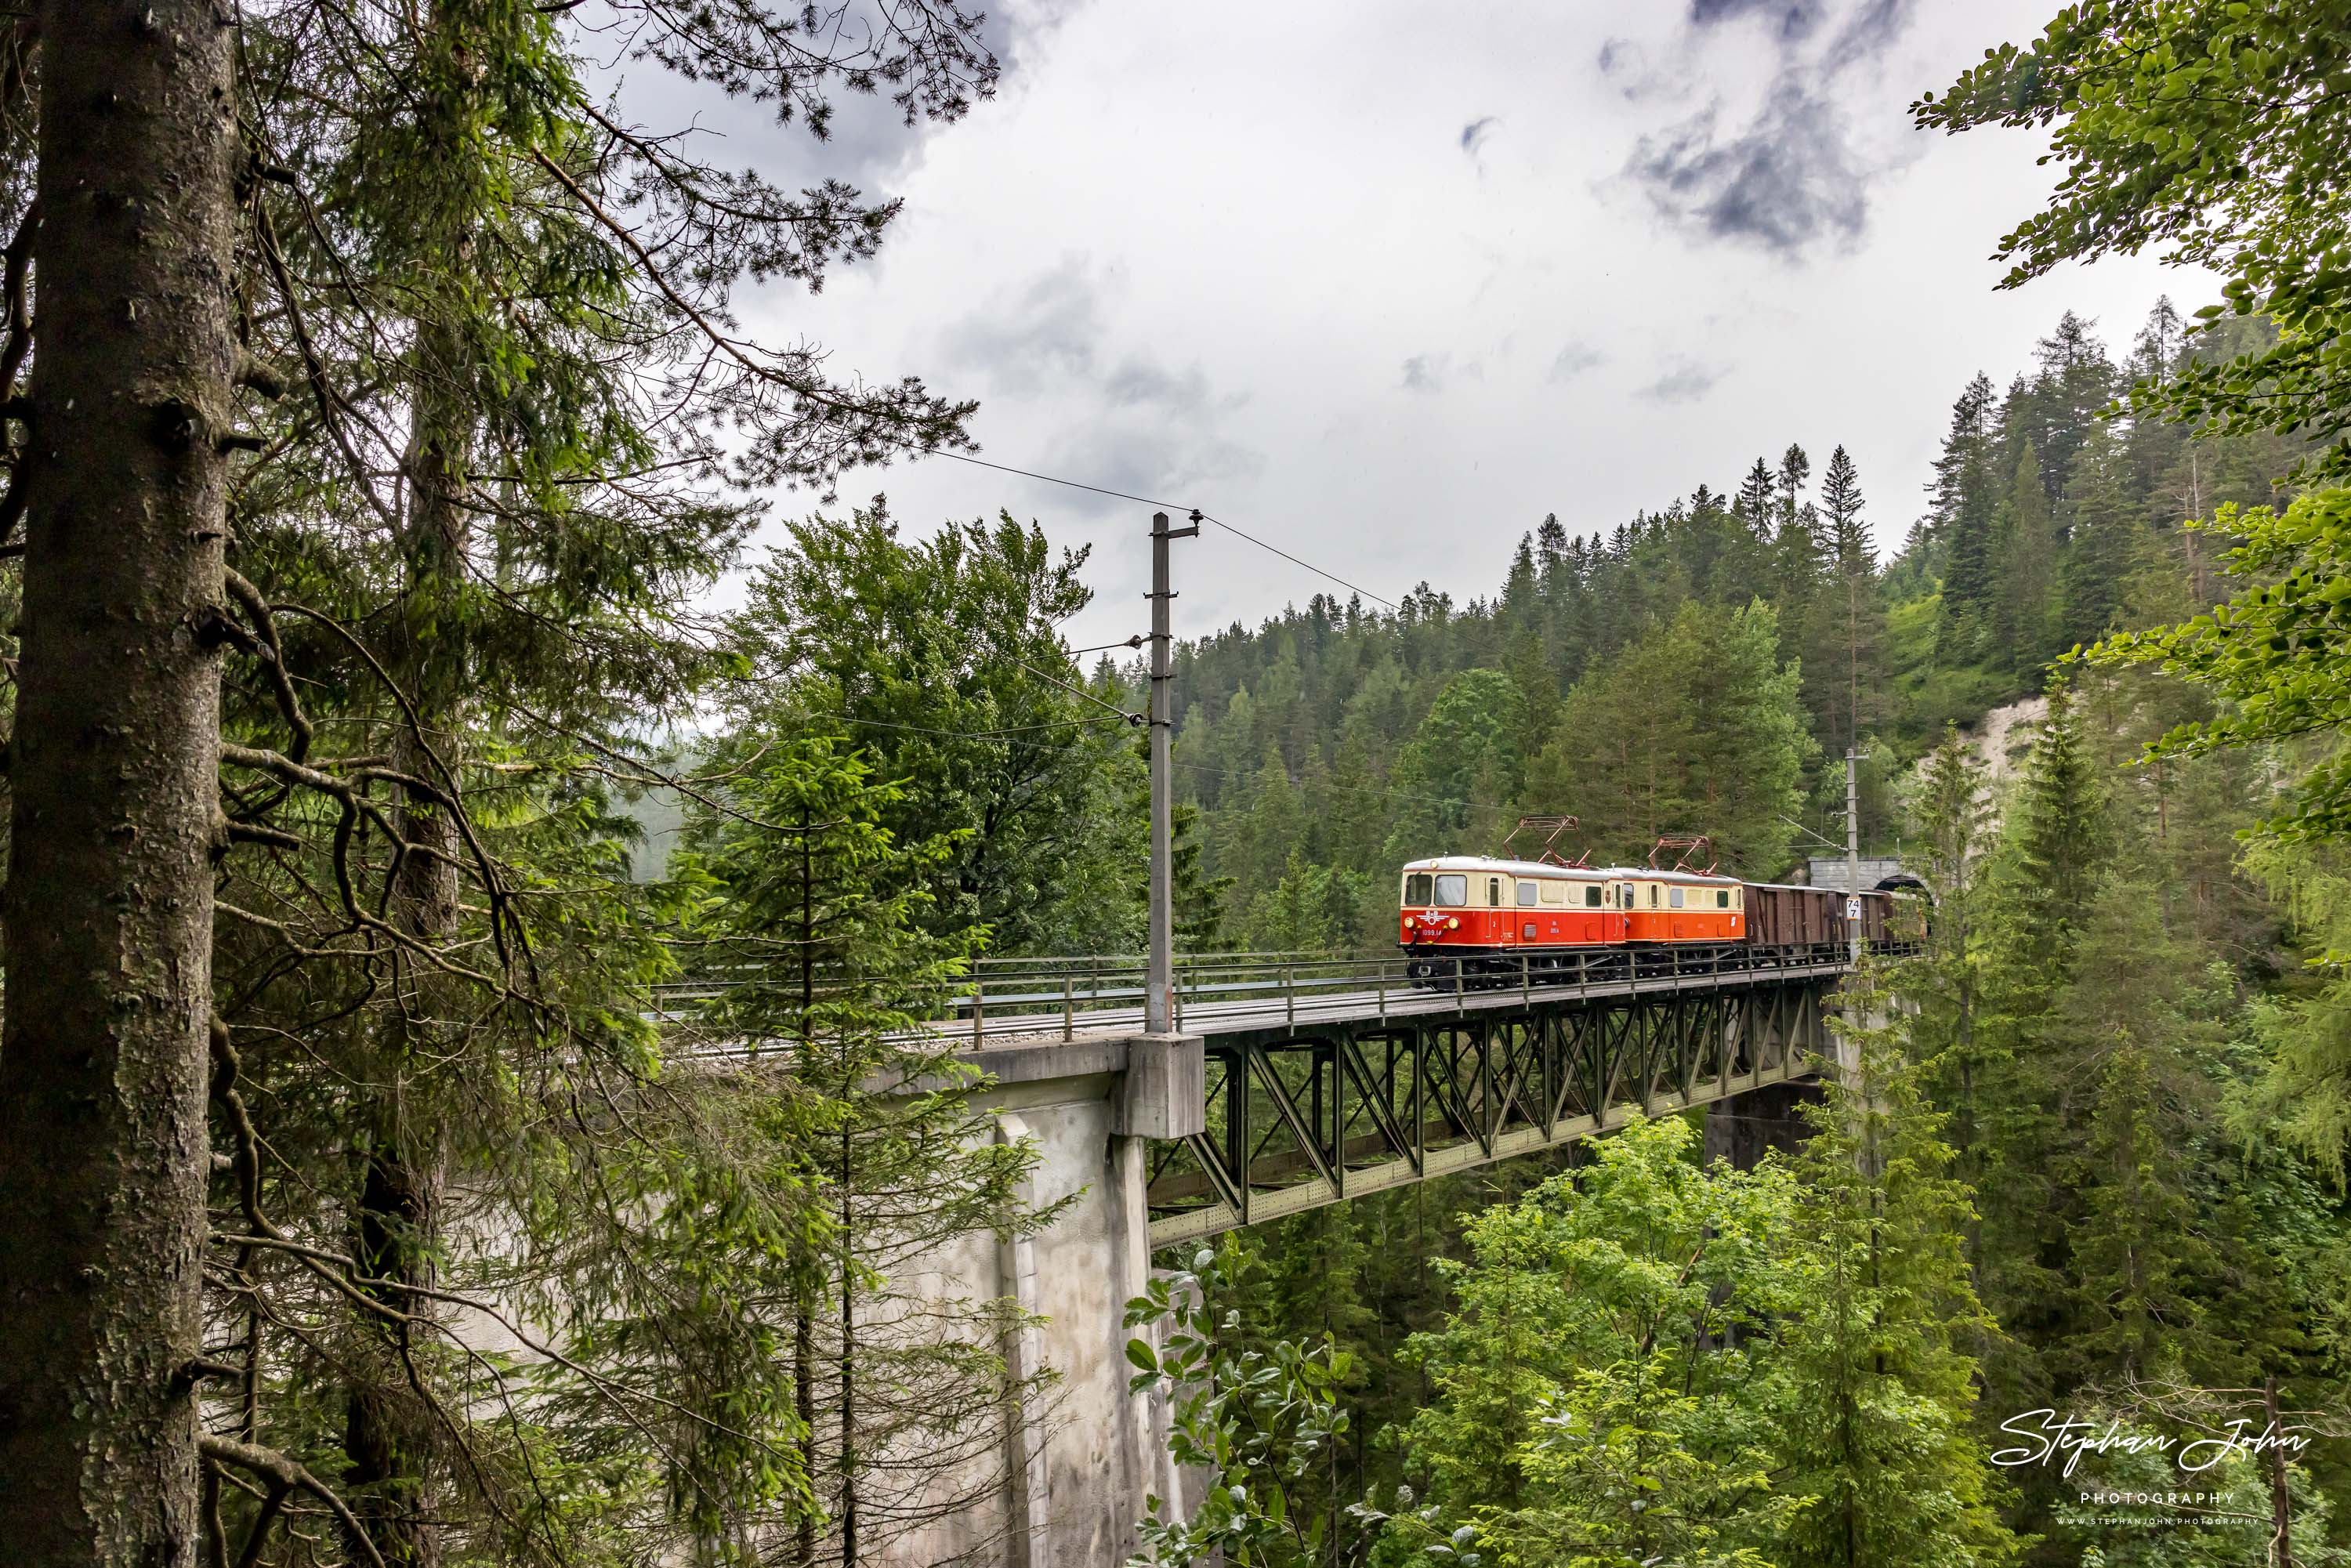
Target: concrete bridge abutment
(1078, 1458)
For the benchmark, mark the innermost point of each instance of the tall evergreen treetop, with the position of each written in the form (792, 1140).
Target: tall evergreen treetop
(2058, 824)
(1847, 541)
(1757, 502)
(1962, 500)
(1795, 468)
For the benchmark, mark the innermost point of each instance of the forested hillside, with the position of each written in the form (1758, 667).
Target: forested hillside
(1703, 667)
(2091, 1168)
(1697, 669)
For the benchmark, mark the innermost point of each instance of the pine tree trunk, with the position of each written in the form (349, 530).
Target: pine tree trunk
(2281, 1498)
(107, 912)
(804, 1321)
(804, 1406)
(429, 657)
(398, 1203)
(848, 1361)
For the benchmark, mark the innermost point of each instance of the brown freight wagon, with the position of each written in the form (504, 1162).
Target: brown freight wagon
(1782, 916)
(1875, 907)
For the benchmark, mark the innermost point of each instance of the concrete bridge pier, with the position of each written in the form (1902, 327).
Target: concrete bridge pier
(1743, 1128)
(1076, 1463)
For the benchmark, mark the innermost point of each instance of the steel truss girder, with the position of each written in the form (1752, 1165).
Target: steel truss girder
(1299, 1118)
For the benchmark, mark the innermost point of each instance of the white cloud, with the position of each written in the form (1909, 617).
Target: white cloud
(1200, 273)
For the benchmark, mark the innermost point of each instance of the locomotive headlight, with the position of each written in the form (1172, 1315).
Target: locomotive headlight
(1453, 925)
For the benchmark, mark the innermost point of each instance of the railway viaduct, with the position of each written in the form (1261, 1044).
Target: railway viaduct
(1291, 1083)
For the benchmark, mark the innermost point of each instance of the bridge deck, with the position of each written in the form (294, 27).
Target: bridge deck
(1308, 1003)
(1320, 1077)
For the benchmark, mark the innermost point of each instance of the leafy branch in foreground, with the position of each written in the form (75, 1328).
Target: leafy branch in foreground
(2215, 128)
(2278, 653)
(1251, 1423)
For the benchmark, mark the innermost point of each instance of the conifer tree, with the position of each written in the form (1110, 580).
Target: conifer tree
(453, 368)
(2107, 540)
(2155, 352)
(2070, 395)
(2136, 1248)
(1844, 663)
(2058, 837)
(2030, 1095)
(1274, 826)
(1847, 538)
(1795, 468)
(819, 916)
(1756, 504)
(1951, 814)
(1882, 1396)
(2026, 562)
(1963, 497)
(109, 901)
(1198, 898)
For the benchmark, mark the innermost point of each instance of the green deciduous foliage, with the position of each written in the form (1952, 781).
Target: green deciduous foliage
(940, 659)
(1649, 1360)
(1249, 1424)
(2210, 130)
(2278, 653)
(1606, 1383)
(1463, 763)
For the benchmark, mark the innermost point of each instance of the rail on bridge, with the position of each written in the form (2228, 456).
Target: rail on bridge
(1298, 1079)
(1333, 1075)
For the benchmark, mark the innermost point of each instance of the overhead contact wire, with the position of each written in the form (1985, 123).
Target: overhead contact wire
(1193, 512)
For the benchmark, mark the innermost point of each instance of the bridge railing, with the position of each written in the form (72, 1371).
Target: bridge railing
(1072, 995)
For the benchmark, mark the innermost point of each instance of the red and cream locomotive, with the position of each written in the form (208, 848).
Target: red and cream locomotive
(1472, 914)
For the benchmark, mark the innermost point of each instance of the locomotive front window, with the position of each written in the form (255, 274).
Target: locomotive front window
(1592, 898)
(1415, 889)
(1526, 895)
(1452, 891)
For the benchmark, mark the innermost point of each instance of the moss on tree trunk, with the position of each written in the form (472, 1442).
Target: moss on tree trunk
(107, 912)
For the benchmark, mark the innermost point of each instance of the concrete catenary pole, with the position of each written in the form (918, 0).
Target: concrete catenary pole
(1159, 984)
(1853, 854)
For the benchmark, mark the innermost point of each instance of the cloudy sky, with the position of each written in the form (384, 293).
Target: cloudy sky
(1386, 283)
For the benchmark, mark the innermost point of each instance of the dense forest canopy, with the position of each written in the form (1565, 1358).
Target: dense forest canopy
(1704, 667)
